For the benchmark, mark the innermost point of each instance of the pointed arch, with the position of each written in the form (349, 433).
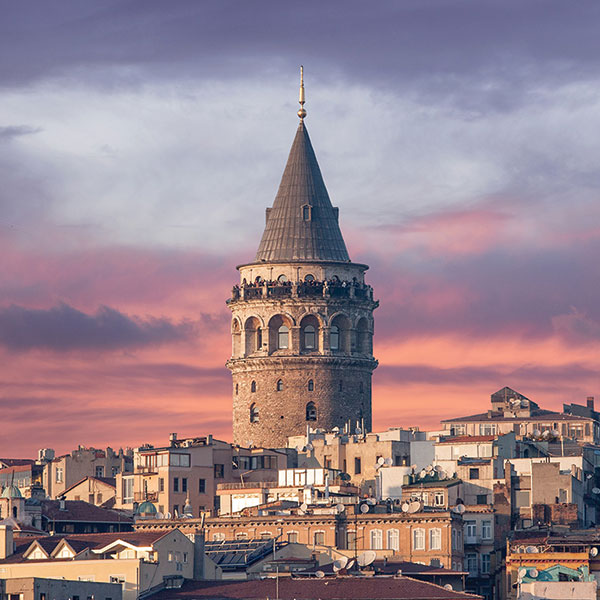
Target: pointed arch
(254, 418)
(311, 411)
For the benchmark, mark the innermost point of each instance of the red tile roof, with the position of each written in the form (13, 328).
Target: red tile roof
(78, 510)
(346, 588)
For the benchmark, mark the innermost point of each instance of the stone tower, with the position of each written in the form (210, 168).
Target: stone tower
(302, 326)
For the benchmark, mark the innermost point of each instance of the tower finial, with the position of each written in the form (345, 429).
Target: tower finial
(301, 112)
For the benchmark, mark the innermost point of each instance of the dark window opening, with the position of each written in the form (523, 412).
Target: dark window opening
(311, 385)
(253, 413)
(311, 412)
(357, 465)
(253, 386)
(279, 385)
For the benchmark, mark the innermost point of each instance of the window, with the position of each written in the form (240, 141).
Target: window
(100, 471)
(282, 278)
(473, 473)
(237, 388)
(361, 388)
(311, 412)
(176, 484)
(486, 530)
(219, 471)
(393, 539)
(376, 539)
(341, 386)
(184, 484)
(435, 538)
(351, 540)
(253, 413)
(179, 460)
(283, 334)
(128, 490)
(59, 474)
(485, 563)
(309, 337)
(334, 337)
(356, 465)
(438, 499)
(471, 563)
(487, 429)
(202, 486)
(418, 539)
(292, 537)
(311, 385)
(454, 539)
(253, 386)
(471, 529)
(161, 484)
(279, 386)
(218, 537)
(265, 535)
(481, 498)
(306, 213)
(309, 277)
(185, 557)
(319, 538)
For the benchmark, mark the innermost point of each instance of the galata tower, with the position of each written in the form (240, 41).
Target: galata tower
(302, 322)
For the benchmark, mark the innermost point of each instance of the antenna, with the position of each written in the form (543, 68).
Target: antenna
(366, 558)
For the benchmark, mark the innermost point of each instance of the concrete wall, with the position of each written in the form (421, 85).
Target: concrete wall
(35, 588)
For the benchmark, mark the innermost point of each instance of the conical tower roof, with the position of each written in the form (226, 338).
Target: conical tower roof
(302, 225)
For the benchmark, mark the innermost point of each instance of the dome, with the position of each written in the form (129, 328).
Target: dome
(11, 491)
(146, 508)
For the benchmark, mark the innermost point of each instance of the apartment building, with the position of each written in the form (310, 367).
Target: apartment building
(187, 472)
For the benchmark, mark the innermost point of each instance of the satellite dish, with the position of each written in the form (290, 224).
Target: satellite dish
(595, 490)
(340, 563)
(364, 508)
(589, 476)
(429, 468)
(366, 558)
(339, 508)
(522, 572)
(594, 551)
(443, 474)
(405, 507)
(309, 446)
(422, 474)
(304, 507)
(555, 432)
(536, 432)
(546, 434)
(460, 509)
(388, 462)
(350, 565)
(320, 574)
(381, 461)
(358, 431)
(448, 587)
(533, 573)
(414, 507)
(168, 515)
(439, 470)
(160, 515)
(371, 501)
(531, 549)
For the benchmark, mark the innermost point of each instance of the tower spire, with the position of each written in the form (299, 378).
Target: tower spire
(301, 100)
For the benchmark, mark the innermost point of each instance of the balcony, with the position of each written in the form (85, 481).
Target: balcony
(143, 496)
(247, 485)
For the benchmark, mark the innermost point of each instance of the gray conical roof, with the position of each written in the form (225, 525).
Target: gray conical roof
(292, 232)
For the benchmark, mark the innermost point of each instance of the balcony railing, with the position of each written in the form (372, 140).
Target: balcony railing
(143, 496)
(304, 289)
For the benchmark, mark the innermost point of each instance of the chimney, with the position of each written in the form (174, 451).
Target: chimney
(61, 503)
(590, 402)
(6, 541)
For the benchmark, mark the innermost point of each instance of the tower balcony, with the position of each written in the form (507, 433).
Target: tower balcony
(350, 290)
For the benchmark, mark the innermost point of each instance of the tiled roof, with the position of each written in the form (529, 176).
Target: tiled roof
(291, 235)
(17, 462)
(347, 588)
(78, 510)
(466, 439)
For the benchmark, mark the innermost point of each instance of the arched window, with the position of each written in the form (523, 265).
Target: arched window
(14, 512)
(311, 385)
(237, 388)
(311, 412)
(309, 337)
(253, 413)
(306, 212)
(393, 539)
(253, 335)
(334, 337)
(253, 386)
(376, 539)
(309, 277)
(279, 385)
(282, 279)
(283, 337)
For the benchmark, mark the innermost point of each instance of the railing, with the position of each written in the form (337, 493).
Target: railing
(143, 496)
(247, 485)
(304, 289)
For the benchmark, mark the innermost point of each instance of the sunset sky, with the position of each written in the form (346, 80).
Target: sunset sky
(141, 141)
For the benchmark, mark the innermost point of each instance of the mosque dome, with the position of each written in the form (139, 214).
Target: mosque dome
(146, 508)
(11, 491)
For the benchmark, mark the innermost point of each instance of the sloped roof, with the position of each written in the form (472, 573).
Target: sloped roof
(288, 235)
(536, 415)
(78, 510)
(466, 439)
(355, 588)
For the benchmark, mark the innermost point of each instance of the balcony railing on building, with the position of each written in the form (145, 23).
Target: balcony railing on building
(304, 289)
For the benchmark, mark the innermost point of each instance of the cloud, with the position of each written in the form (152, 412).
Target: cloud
(577, 326)
(12, 131)
(64, 328)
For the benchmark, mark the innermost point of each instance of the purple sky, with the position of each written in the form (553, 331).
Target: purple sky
(140, 142)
